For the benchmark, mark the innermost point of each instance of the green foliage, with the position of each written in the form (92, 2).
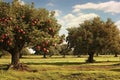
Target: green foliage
(64, 50)
(94, 36)
(4, 53)
(24, 51)
(24, 25)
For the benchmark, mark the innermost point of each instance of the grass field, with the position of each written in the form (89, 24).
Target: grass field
(69, 68)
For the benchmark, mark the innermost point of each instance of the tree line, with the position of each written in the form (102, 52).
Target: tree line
(24, 26)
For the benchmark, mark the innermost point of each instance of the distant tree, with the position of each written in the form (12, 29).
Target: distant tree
(1, 54)
(52, 44)
(64, 50)
(94, 36)
(24, 51)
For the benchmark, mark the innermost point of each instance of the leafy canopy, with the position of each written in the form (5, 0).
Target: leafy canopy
(94, 36)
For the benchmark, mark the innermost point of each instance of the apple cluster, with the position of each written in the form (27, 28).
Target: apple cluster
(43, 46)
(48, 21)
(45, 50)
(5, 20)
(19, 30)
(50, 29)
(34, 22)
(4, 38)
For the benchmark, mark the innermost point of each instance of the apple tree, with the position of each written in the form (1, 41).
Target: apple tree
(24, 25)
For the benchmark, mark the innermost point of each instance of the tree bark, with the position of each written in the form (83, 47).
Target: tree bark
(15, 62)
(116, 55)
(15, 58)
(64, 55)
(44, 55)
(21, 55)
(97, 54)
(90, 58)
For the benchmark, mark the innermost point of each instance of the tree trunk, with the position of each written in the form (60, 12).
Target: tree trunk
(15, 58)
(97, 54)
(21, 55)
(15, 65)
(44, 55)
(90, 58)
(64, 55)
(79, 55)
(116, 55)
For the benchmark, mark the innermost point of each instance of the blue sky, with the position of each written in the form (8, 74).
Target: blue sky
(70, 13)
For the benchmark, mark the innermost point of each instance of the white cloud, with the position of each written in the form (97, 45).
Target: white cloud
(21, 2)
(60, 21)
(74, 20)
(57, 13)
(69, 17)
(118, 24)
(50, 4)
(111, 7)
(31, 50)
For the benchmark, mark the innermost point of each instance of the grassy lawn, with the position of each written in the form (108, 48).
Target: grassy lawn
(69, 68)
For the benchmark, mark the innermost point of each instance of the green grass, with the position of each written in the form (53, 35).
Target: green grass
(69, 68)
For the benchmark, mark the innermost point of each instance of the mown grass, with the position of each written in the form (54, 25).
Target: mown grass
(58, 68)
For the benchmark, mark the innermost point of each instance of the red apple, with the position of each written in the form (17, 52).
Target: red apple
(55, 44)
(23, 17)
(5, 35)
(38, 47)
(50, 28)
(16, 27)
(1, 40)
(49, 21)
(23, 32)
(47, 51)
(19, 31)
(10, 39)
(5, 19)
(44, 49)
(43, 44)
(46, 42)
(0, 19)
(10, 18)
(9, 43)
(35, 22)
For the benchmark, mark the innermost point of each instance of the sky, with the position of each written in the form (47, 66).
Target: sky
(70, 13)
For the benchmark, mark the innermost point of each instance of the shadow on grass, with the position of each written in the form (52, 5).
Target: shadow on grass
(57, 63)
(118, 64)
(116, 70)
(4, 67)
(65, 63)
